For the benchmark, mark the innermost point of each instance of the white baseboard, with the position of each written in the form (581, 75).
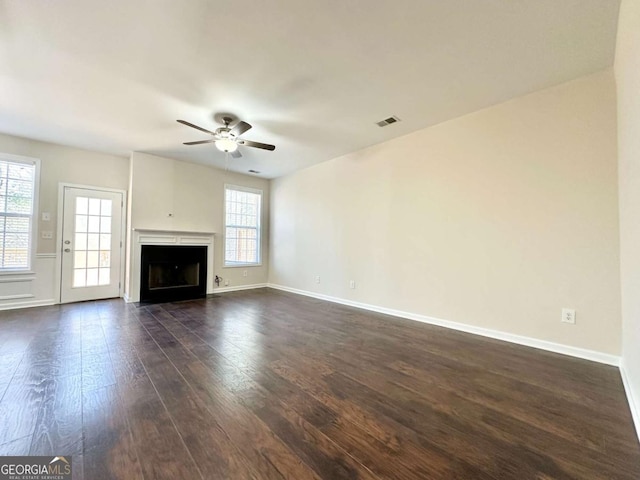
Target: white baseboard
(634, 403)
(28, 304)
(239, 287)
(592, 355)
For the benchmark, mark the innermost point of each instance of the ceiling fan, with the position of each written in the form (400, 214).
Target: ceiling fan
(228, 139)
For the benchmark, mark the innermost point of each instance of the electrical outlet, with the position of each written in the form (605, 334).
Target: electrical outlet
(568, 315)
(226, 283)
(352, 284)
(47, 235)
(244, 273)
(317, 278)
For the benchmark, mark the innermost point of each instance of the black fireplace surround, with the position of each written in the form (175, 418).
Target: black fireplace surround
(171, 273)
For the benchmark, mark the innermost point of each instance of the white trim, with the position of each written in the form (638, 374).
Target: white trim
(634, 406)
(183, 232)
(243, 265)
(164, 237)
(28, 271)
(28, 304)
(255, 191)
(239, 287)
(15, 297)
(583, 353)
(60, 228)
(142, 236)
(35, 206)
(242, 188)
(19, 279)
(91, 187)
(8, 273)
(156, 239)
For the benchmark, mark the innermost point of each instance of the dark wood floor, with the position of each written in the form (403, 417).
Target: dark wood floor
(264, 384)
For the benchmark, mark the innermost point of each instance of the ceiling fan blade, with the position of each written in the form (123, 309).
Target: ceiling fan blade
(236, 154)
(194, 126)
(240, 128)
(200, 142)
(249, 143)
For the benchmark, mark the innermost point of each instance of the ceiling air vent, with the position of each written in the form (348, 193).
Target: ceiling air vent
(388, 121)
(254, 171)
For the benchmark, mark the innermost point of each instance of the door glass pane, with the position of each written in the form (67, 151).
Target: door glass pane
(105, 224)
(93, 241)
(81, 241)
(94, 224)
(94, 206)
(105, 241)
(92, 259)
(105, 258)
(80, 259)
(81, 223)
(103, 277)
(105, 209)
(92, 277)
(82, 205)
(92, 247)
(79, 277)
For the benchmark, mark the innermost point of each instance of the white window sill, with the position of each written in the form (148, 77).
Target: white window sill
(243, 265)
(16, 272)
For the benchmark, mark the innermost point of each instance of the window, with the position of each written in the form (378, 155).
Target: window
(18, 177)
(242, 226)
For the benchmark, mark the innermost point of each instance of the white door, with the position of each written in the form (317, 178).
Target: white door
(91, 244)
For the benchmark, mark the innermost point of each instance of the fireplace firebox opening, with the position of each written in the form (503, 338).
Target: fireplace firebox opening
(173, 273)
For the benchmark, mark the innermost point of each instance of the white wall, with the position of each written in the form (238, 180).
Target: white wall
(627, 72)
(58, 163)
(194, 196)
(498, 219)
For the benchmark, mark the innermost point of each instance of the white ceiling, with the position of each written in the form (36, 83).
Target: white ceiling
(312, 77)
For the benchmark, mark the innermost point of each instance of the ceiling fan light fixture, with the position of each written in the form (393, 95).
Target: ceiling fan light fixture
(228, 139)
(226, 145)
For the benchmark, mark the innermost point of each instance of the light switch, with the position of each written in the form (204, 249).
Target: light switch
(46, 217)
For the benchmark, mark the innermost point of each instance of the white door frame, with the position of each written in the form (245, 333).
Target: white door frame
(59, 229)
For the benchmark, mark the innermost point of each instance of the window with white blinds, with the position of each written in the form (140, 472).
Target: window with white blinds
(17, 199)
(242, 226)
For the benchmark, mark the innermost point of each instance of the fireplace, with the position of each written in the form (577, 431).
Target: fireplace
(172, 273)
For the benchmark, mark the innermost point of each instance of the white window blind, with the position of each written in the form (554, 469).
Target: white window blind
(242, 226)
(17, 190)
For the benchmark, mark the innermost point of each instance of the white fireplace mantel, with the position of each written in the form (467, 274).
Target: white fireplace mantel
(142, 236)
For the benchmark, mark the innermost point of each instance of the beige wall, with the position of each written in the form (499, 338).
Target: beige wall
(498, 219)
(194, 195)
(627, 71)
(57, 164)
(68, 165)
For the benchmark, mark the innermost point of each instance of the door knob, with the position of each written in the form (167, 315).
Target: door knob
(67, 242)
(67, 250)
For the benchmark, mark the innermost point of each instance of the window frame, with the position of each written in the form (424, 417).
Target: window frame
(33, 217)
(239, 188)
